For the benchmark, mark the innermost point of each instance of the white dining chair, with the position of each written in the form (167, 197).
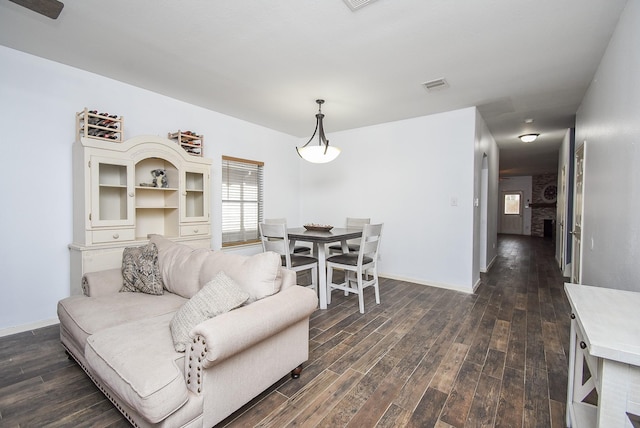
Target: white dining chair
(274, 238)
(352, 244)
(358, 266)
(297, 249)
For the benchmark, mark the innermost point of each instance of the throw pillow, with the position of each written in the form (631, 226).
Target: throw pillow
(259, 275)
(180, 265)
(218, 296)
(140, 271)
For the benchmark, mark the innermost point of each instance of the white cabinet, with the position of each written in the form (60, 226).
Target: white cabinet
(117, 203)
(194, 201)
(604, 360)
(111, 192)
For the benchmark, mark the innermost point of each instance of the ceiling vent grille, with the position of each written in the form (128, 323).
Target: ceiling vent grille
(436, 84)
(357, 4)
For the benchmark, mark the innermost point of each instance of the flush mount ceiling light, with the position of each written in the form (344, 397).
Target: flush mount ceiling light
(321, 153)
(528, 138)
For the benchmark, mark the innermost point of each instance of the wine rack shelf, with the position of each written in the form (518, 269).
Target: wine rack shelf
(188, 140)
(102, 126)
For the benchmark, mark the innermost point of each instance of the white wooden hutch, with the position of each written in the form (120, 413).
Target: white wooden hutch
(115, 205)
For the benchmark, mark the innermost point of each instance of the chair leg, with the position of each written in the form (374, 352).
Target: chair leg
(348, 280)
(360, 292)
(375, 286)
(329, 282)
(314, 279)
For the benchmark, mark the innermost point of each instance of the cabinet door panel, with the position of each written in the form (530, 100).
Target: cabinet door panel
(194, 196)
(112, 192)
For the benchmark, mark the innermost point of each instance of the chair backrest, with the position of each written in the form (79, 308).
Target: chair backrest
(370, 241)
(275, 220)
(356, 223)
(274, 238)
(353, 222)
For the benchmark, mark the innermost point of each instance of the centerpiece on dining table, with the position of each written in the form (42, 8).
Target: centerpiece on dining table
(318, 227)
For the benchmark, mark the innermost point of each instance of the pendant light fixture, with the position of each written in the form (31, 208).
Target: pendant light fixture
(322, 153)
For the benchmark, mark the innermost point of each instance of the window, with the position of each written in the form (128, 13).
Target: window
(242, 189)
(512, 204)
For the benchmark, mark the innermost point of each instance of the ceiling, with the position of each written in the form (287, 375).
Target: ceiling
(268, 61)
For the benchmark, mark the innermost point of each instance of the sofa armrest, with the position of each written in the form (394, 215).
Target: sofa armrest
(103, 282)
(221, 337)
(289, 278)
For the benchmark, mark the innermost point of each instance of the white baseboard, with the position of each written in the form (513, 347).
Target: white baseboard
(429, 283)
(27, 327)
(488, 268)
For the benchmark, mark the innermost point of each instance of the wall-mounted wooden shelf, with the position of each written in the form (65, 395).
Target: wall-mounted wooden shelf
(101, 126)
(190, 141)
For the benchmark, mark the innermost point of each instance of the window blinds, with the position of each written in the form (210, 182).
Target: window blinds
(242, 200)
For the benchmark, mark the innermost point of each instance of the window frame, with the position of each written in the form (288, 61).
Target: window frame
(242, 199)
(504, 203)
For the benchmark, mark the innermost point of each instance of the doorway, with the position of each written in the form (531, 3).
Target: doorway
(576, 256)
(511, 209)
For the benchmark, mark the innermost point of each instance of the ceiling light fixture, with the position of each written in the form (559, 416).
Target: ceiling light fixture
(528, 138)
(321, 153)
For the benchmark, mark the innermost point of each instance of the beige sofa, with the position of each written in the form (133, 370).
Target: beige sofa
(124, 341)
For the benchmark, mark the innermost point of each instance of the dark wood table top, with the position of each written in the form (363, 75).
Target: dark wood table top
(335, 234)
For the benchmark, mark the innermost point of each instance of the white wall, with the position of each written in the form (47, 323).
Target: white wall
(609, 121)
(405, 174)
(38, 102)
(524, 184)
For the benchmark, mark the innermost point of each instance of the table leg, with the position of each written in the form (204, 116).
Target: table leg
(322, 274)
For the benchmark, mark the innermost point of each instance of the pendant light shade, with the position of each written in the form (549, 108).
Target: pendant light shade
(322, 153)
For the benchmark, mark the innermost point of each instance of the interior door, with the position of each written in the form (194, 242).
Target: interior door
(511, 212)
(576, 257)
(562, 208)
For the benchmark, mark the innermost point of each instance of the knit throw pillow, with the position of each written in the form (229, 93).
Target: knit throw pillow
(140, 270)
(218, 296)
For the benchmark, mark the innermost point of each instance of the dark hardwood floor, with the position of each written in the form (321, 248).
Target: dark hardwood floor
(425, 357)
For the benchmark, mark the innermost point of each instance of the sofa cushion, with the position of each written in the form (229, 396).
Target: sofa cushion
(82, 316)
(180, 265)
(138, 363)
(218, 296)
(259, 275)
(140, 271)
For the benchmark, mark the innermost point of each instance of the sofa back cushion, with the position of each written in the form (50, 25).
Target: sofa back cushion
(259, 275)
(180, 266)
(218, 296)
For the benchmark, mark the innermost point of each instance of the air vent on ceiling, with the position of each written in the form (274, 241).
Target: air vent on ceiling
(433, 85)
(357, 4)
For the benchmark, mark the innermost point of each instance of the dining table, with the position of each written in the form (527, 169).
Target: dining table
(319, 239)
